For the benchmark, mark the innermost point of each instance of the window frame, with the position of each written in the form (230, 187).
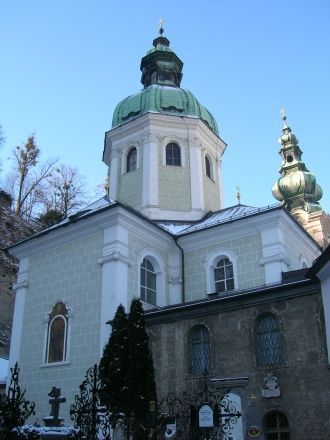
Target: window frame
(227, 263)
(268, 358)
(132, 150)
(211, 262)
(144, 285)
(205, 343)
(160, 271)
(172, 155)
(208, 158)
(65, 314)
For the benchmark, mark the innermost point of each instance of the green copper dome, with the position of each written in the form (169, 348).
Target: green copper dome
(164, 100)
(161, 77)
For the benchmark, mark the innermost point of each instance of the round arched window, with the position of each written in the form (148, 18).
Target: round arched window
(173, 156)
(131, 160)
(276, 426)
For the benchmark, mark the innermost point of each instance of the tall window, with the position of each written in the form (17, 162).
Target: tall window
(208, 170)
(276, 426)
(131, 160)
(57, 334)
(173, 156)
(148, 282)
(224, 276)
(268, 340)
(199, 341)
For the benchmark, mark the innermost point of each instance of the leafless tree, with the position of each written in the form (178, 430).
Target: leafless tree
(66, 190)
(27, 180)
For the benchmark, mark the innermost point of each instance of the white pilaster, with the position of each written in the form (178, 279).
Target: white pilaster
(150, 172)
(174, 278)
(115, 263)
(114, 166)
(196, 179)
(274, 254)
(21, 288)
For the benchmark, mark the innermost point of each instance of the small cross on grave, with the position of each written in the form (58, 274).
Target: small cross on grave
(55, 400)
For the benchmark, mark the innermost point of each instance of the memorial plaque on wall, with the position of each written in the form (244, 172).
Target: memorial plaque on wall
(205, 416)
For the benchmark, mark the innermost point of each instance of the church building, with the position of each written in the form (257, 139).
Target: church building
(226, 289)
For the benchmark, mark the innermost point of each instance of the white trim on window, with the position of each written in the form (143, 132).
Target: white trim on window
(126, 150)
(211, 263)
(159, 269)
(67, 335)
(211, 162)
(169, 140)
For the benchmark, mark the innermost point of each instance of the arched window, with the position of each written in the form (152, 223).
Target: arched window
(276, 426)
(224, 276)
(268, 340)
(57, 334)
(199, 347)
(131, 160)
(173, 155)
(208, 169)
(148, 282)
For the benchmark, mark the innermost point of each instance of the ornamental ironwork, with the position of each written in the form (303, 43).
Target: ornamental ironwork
(14, 408)
(183, 410)
(87, 411)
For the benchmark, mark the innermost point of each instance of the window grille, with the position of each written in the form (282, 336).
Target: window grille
(131, 160)
(276, 426)
(148, 282)
(224, 276)
(173, 156)
(208, 167)
(199, 349)
(269, 346)
(57, 334)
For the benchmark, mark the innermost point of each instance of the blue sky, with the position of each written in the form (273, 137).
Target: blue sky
(66, 64)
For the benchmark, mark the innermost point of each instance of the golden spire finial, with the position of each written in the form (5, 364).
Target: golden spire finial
(238, 194)
(160, 26)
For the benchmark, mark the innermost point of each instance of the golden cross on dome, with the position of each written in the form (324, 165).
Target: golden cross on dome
(160, 26)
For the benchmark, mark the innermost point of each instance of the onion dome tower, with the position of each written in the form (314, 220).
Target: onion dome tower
(163, 150)
(297, 188)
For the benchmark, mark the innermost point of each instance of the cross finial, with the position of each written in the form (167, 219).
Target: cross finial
(283, 115)
(238, 195)
(160, 26)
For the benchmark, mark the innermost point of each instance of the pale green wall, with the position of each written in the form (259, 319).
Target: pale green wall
(250, 273)
(211, 193)
(174, 187)
(69, 273)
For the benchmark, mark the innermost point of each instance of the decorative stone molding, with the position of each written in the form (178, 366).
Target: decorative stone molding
(271, 386)
(273, 259)
(114, 256)
(21, 285)
(174, 280)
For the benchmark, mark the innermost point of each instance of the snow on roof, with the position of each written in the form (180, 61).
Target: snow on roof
(91, 208)
(3, 370)
(223, 216)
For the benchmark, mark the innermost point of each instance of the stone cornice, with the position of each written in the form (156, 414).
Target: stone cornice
(237, 301)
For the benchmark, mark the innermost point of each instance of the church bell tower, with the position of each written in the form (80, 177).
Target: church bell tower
(164, 150)
(298, 190)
